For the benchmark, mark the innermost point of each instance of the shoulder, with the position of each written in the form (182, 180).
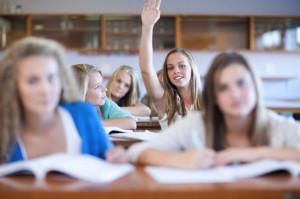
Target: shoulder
(78, 107)
(278, 122)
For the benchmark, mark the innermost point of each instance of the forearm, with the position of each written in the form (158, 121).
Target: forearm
(158, 158)
(138, 110)
(124, 123)
(278, 153)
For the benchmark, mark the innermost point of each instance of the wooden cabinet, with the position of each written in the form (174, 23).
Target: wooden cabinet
(279, 33)
(74, 31)
(215, 33)
(123, 32)
(12, 28)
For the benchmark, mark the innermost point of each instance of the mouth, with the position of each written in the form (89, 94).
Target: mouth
(178, 77)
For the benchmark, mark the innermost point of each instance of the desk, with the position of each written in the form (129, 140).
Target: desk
(280, 106)
(138, 185)
(150, 125)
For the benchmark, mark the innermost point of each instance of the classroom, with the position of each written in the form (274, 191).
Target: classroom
(255, 43)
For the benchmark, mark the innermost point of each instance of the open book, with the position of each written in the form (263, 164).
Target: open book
(138, 135)
(83, 167)
(114, 129)
(223, 173)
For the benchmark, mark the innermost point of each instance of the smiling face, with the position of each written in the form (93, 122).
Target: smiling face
(120, 86)
(38, 84)
(179, 70)
(235, 91)
(96, 92)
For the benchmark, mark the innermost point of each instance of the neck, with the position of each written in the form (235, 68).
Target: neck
(115, 99)
(185, 94)
(238, 126)
(36, 123)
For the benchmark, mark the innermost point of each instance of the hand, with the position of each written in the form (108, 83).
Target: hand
(151, 13)
(117, 155)
(243, 155)
(193, 159)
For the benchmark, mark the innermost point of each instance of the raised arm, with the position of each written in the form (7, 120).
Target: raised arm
(150, 16)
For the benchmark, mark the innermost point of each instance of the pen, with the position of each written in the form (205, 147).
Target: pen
(196, 140)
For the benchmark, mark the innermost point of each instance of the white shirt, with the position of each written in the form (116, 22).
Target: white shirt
(285, 132)
(73, 139)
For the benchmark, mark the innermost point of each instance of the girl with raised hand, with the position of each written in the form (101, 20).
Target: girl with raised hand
(234, 126)
(181, 92)
(90, 84)
(123, 89)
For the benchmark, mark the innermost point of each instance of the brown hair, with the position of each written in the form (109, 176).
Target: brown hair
(213, 117)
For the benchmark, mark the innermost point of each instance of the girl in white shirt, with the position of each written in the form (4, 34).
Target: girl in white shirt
(235, 126)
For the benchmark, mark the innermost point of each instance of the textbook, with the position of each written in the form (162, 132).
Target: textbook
(138, 135)
(83, 167)
(114, 129)
(222, 173)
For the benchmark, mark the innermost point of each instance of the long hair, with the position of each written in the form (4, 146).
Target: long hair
(175, 102)
(11, 109)
(82, 72)
(131, 98)
(214, 118)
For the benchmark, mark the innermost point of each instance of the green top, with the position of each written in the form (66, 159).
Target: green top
(111, 110)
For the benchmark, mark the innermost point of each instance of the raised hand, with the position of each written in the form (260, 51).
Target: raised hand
(151, 13)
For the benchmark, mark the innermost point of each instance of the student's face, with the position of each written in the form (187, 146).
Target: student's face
(235, 91)
(38, 84)
(179, 69)
(96, 92)
(121, 85)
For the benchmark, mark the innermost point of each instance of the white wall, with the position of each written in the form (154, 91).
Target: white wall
(209, 7)
(264, 63)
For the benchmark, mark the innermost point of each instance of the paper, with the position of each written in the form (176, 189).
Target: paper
(84, 167)
(114, 130)
(138, 135)
(223, 173)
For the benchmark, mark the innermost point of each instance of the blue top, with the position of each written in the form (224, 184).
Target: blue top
(94, 140)
(111, 110)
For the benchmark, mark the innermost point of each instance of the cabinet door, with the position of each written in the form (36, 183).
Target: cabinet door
(277, 33)
(214, 33)
(11, 28)
(124, 33)
(73, 31)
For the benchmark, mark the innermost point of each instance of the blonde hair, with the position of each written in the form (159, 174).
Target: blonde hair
(173, 104)
(131, 98)
(10, 106)
(82, 72)
(213, 117)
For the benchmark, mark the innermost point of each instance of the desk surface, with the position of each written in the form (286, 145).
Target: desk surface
(138, 185)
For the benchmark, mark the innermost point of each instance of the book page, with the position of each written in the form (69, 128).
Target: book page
(222, 173)
(114, 129)
(91, 168)
(138, 135)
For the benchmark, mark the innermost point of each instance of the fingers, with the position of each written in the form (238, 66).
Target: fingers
(117, 155)
(157, 5)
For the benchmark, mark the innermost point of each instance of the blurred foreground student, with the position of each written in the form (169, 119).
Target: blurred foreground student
(235, 126)
(39, 107)
(180, 92)
(123, 89)
(90, 84)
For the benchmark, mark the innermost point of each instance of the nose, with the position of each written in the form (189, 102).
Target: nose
(176, 70)
(44, 86)
(235, 92)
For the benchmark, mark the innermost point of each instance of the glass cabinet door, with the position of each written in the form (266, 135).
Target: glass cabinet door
(277, 33)
(215, 33)
(73, 31)
(164, 33)
(12, 28)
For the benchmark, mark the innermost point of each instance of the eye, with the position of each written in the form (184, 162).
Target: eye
(222, 88)
(127, 85)
(241, 83)
(119, 81)
(182, 66)
(51, 77)
(170, 67)
(33, 80)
